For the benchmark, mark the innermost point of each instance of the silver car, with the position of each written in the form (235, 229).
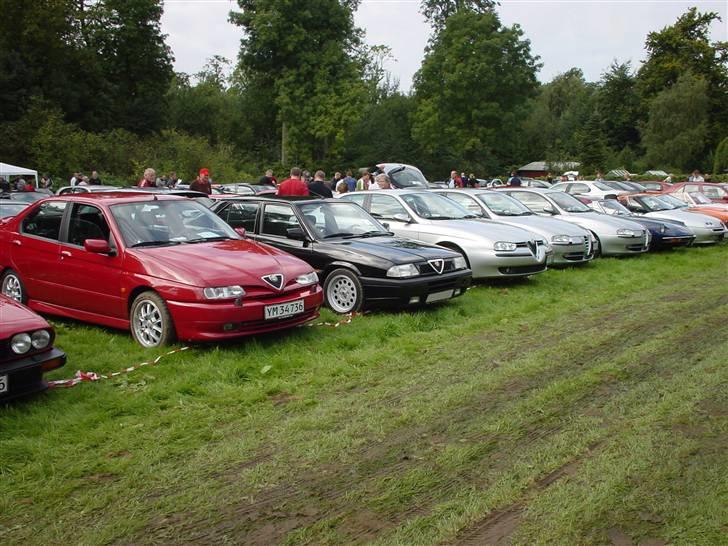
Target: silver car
(593, 189)
(491, 248)
(707, 230)
(615, 236)
(572, 244)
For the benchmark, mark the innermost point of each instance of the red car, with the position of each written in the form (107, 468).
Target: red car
(715, 192)
(162, 266)
(26, 350)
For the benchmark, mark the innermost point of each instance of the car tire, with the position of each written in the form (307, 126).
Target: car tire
(12, 286)
(343, 291)
(150, 322)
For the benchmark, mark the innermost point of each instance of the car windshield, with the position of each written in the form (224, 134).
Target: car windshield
(434, 206)
(655, 203)
(501, 204)
(159, 223)
(9, 208)
(672, 201)
(700, 198)
(329, 220)
(605, 187)
(568, 202)
(407, 177)
(28, 196)
(612, 206)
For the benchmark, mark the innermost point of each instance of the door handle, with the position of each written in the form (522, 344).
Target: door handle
(65, 253)
(16, 242)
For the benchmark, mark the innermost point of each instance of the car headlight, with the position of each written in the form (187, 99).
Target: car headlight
(628, 233)
(40, 339)
(399, 271)
(459, 263)
(20, 343)
(308, 278)
(561, 239)
(503, 246)
(223, 292)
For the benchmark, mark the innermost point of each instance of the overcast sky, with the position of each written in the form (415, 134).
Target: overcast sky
(588, 34)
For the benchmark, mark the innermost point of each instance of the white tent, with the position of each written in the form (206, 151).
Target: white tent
(7, 170)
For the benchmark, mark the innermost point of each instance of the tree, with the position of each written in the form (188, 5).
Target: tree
(619, 106)
(720, 158)
(305, 53)
(676, 134)
(471, 91)
(437, 11)
(591, 146)
(682, 47)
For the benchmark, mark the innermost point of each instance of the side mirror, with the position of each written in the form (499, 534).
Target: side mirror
(98, 246)
(240, 231)
(549, 209)
(401, 217)
(297, 234)
(386, 225)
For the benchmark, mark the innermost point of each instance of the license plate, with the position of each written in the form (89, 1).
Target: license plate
(439, 296)
(283, 309)
(3, 383)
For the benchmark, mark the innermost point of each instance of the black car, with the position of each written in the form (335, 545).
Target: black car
(359, 262)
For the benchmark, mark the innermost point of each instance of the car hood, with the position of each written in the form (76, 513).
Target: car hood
(595, 220)
(546, 227)
(655, 224)
(477, 229)
(691, 219)
(397, 250)
(220, 263)
(15, 318)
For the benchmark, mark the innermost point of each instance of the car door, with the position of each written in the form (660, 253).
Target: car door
(277, 219)
(388, 209)
(91, 282)
(34, 250)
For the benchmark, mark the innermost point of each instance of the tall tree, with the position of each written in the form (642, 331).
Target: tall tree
(437, 11)
(619, 106)
(471, 91)
(306, 54)
(676, 134)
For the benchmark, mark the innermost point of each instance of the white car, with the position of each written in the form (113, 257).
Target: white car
(572, 244)
(492, 249)
(589, 188)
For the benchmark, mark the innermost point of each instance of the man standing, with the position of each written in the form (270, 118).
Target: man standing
(318, 187)
(514, 180)
(293, 185)
(94, 179)
(202, 182)
(267, 179)
(350, 181)
(149, 180)
(455, 180)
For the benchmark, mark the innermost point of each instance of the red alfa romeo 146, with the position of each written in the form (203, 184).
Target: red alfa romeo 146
(161, 266)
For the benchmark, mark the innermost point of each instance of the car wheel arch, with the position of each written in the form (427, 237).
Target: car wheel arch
(135, 292)
(456, 248)
(338, 265)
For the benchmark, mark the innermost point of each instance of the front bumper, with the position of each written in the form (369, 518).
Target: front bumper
(388, 292)
(565, 254)
(707, 236)
(614, 245)
(671, 241)
(490, 264)
(200, 321)
(25, 375)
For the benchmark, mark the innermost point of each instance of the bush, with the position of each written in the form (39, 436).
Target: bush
(720, 159)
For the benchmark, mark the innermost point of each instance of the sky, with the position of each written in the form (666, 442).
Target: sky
(588, 34)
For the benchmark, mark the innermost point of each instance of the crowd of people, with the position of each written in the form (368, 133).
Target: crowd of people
(299, 182)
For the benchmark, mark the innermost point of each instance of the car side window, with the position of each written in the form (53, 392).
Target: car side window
(87, 222)
(45, 221)
(712, 192)
(467, 202)
(690, 188)
(533, 201)
(356, 198)
(242, 215)
(384, 206)
(579, 188)
(278, 219)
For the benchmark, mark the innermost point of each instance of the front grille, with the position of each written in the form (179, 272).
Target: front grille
(522, 269)
(425, 268)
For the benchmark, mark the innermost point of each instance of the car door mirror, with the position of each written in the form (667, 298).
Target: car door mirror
(386, 225)
(240, 231)
(297, 234)
(549, 209)
(401, 217)
(97, 246)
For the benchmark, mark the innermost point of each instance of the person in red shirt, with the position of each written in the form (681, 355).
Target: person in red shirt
(293, 185)
(149, 180)
(202, 182)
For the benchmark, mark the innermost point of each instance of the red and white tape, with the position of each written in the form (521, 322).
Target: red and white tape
(82, 377)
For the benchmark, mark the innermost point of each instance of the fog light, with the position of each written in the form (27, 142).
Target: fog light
(415, 299)
(229, 326)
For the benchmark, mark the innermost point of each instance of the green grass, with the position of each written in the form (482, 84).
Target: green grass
(578, 406)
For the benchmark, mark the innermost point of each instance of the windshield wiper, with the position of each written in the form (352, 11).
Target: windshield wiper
(207, 239)
(376, 233)
(342, 234)
(154, 243)
(439, 217)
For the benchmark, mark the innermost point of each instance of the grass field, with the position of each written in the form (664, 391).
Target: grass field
(583, 406)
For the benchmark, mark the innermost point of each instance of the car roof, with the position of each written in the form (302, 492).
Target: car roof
(271, 198)
(114, 197)
(531, 189)
(395, 191)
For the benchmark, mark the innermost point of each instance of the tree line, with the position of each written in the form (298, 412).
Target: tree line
(89, 84)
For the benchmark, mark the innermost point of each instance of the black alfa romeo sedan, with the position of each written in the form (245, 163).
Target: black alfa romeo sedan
(360, 263)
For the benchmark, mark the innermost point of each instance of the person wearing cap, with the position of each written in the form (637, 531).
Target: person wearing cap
(202, 182)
